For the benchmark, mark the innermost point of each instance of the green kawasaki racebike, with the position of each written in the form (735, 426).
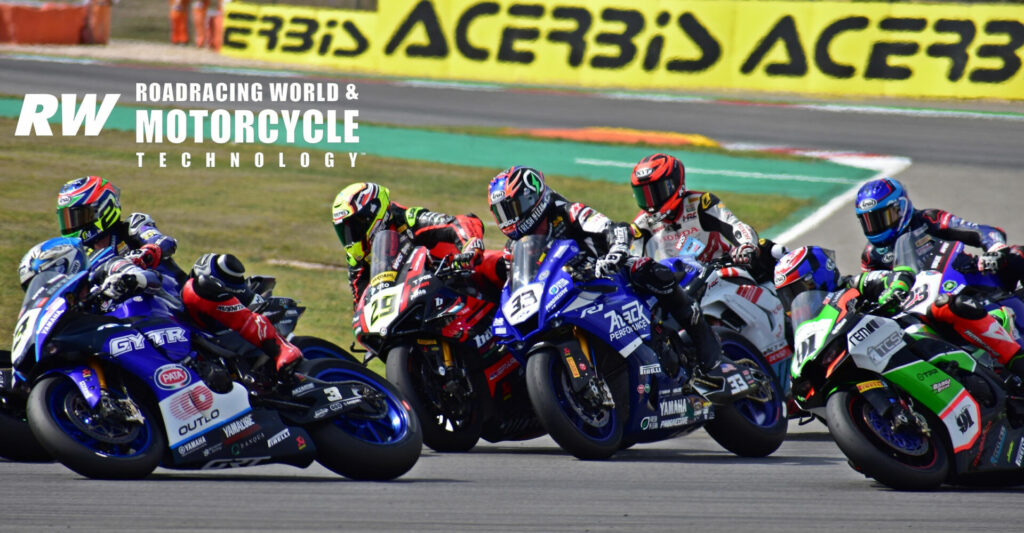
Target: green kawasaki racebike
(906, 407)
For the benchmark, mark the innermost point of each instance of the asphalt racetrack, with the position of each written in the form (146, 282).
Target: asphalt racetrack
(971, 166)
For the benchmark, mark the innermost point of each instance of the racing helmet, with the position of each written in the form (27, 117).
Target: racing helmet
(88, 208)
(359, 211)
(65, 255)
(884, 210)
(219, 276)
(659, 184)
(803, 269)
(518, 198)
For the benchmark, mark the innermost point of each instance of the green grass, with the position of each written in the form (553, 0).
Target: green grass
(260, 214)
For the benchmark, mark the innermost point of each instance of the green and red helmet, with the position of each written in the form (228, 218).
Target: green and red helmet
(88, 208)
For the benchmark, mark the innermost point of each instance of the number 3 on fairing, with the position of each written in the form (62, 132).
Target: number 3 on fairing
(332, 393)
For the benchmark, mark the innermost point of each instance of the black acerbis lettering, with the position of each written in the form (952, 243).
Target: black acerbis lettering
(231, 31)
(362, 45)
(462, 43)
(956, 52)
(822, 57)
(710, 50)
(424, 14)
(305, 37)
(633, 22)
(574, 38)
(271, 32)
(785, 31)
(878, 61)
(1007, 52)
(506, 50)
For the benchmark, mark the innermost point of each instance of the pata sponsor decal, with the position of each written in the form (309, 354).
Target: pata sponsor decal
(278, 438)
(172, 377)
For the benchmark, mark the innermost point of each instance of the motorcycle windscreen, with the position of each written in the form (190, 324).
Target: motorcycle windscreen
(905, 253)
(527, 256)
(806, 306)
(385, 253)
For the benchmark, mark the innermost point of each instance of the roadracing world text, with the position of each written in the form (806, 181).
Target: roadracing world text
(314, 127)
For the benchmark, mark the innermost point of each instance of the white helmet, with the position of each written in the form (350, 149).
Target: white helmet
(60, 254)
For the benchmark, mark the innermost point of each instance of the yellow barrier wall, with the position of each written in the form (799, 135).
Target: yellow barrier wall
(852, 48)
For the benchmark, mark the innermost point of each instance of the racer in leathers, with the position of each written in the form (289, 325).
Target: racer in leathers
(956, 316)
(885, 213)
(523, 204)
(362, 209)
(670, 211)
(89, 208)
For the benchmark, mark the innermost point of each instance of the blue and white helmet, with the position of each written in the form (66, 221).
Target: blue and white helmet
(64, 255)
(884, 210)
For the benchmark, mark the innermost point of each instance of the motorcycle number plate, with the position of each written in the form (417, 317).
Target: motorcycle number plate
(382, 309)
(523, 304)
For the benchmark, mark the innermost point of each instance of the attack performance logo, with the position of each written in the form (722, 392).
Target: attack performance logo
(214, 118)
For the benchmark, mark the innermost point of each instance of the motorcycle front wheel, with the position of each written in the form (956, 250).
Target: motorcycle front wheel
(580, 428)
(87, 442)
(903, 460)
(451, 422)
(749, 427)
(380, 442)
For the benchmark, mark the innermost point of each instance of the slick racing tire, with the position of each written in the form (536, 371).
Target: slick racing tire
(903, 461)
(378, 445)
(443, 431)
(317, 348)
(585, 431)
(749, 427)
(17, 443)
(87, 443)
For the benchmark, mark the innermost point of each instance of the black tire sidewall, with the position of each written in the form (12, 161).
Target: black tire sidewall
(302, 342)
(400, 363)
(352, 457)
(734, 431)
(79, 457)
(545, 403)
(868, 458)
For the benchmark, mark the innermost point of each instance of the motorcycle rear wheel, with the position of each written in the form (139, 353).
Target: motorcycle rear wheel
(442, 432)
(85, 442)
(583, 431)
(900, 461)
(749, 428)
(365, 447)
(17, 443)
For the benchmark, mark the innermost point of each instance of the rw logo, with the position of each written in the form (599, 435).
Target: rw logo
(37, 109)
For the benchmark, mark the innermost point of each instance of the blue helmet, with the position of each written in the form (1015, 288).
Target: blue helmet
(884, 210)
(806, 268)
(64, 255)
(518, 198)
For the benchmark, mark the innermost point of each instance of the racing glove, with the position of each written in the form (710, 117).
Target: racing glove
(147, 256)
(611, 262)
(471, 255)
(743, 254)
(125, 283)
(892, 298)
(993, 258)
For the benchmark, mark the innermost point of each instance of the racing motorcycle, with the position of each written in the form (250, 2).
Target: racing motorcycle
(905, 406)
(430, 324)
(732, 298)
(607, 368)
(17, 443)
(115, 395)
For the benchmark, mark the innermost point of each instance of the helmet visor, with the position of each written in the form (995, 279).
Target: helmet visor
(653, 195)
(506, 212)
(75, 219)
(789, 293)
(880, 220)
(352, 230)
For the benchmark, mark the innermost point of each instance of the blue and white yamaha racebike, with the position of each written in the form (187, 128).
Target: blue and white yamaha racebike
(607, 368)
(115, 395)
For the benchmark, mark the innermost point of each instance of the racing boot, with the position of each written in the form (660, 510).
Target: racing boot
(714, 377)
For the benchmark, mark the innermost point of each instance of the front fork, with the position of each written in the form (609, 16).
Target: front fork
(892, 406)
(585, 378)
(91, 381)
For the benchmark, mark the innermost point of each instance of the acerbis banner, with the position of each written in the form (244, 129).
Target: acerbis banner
(854, 48)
